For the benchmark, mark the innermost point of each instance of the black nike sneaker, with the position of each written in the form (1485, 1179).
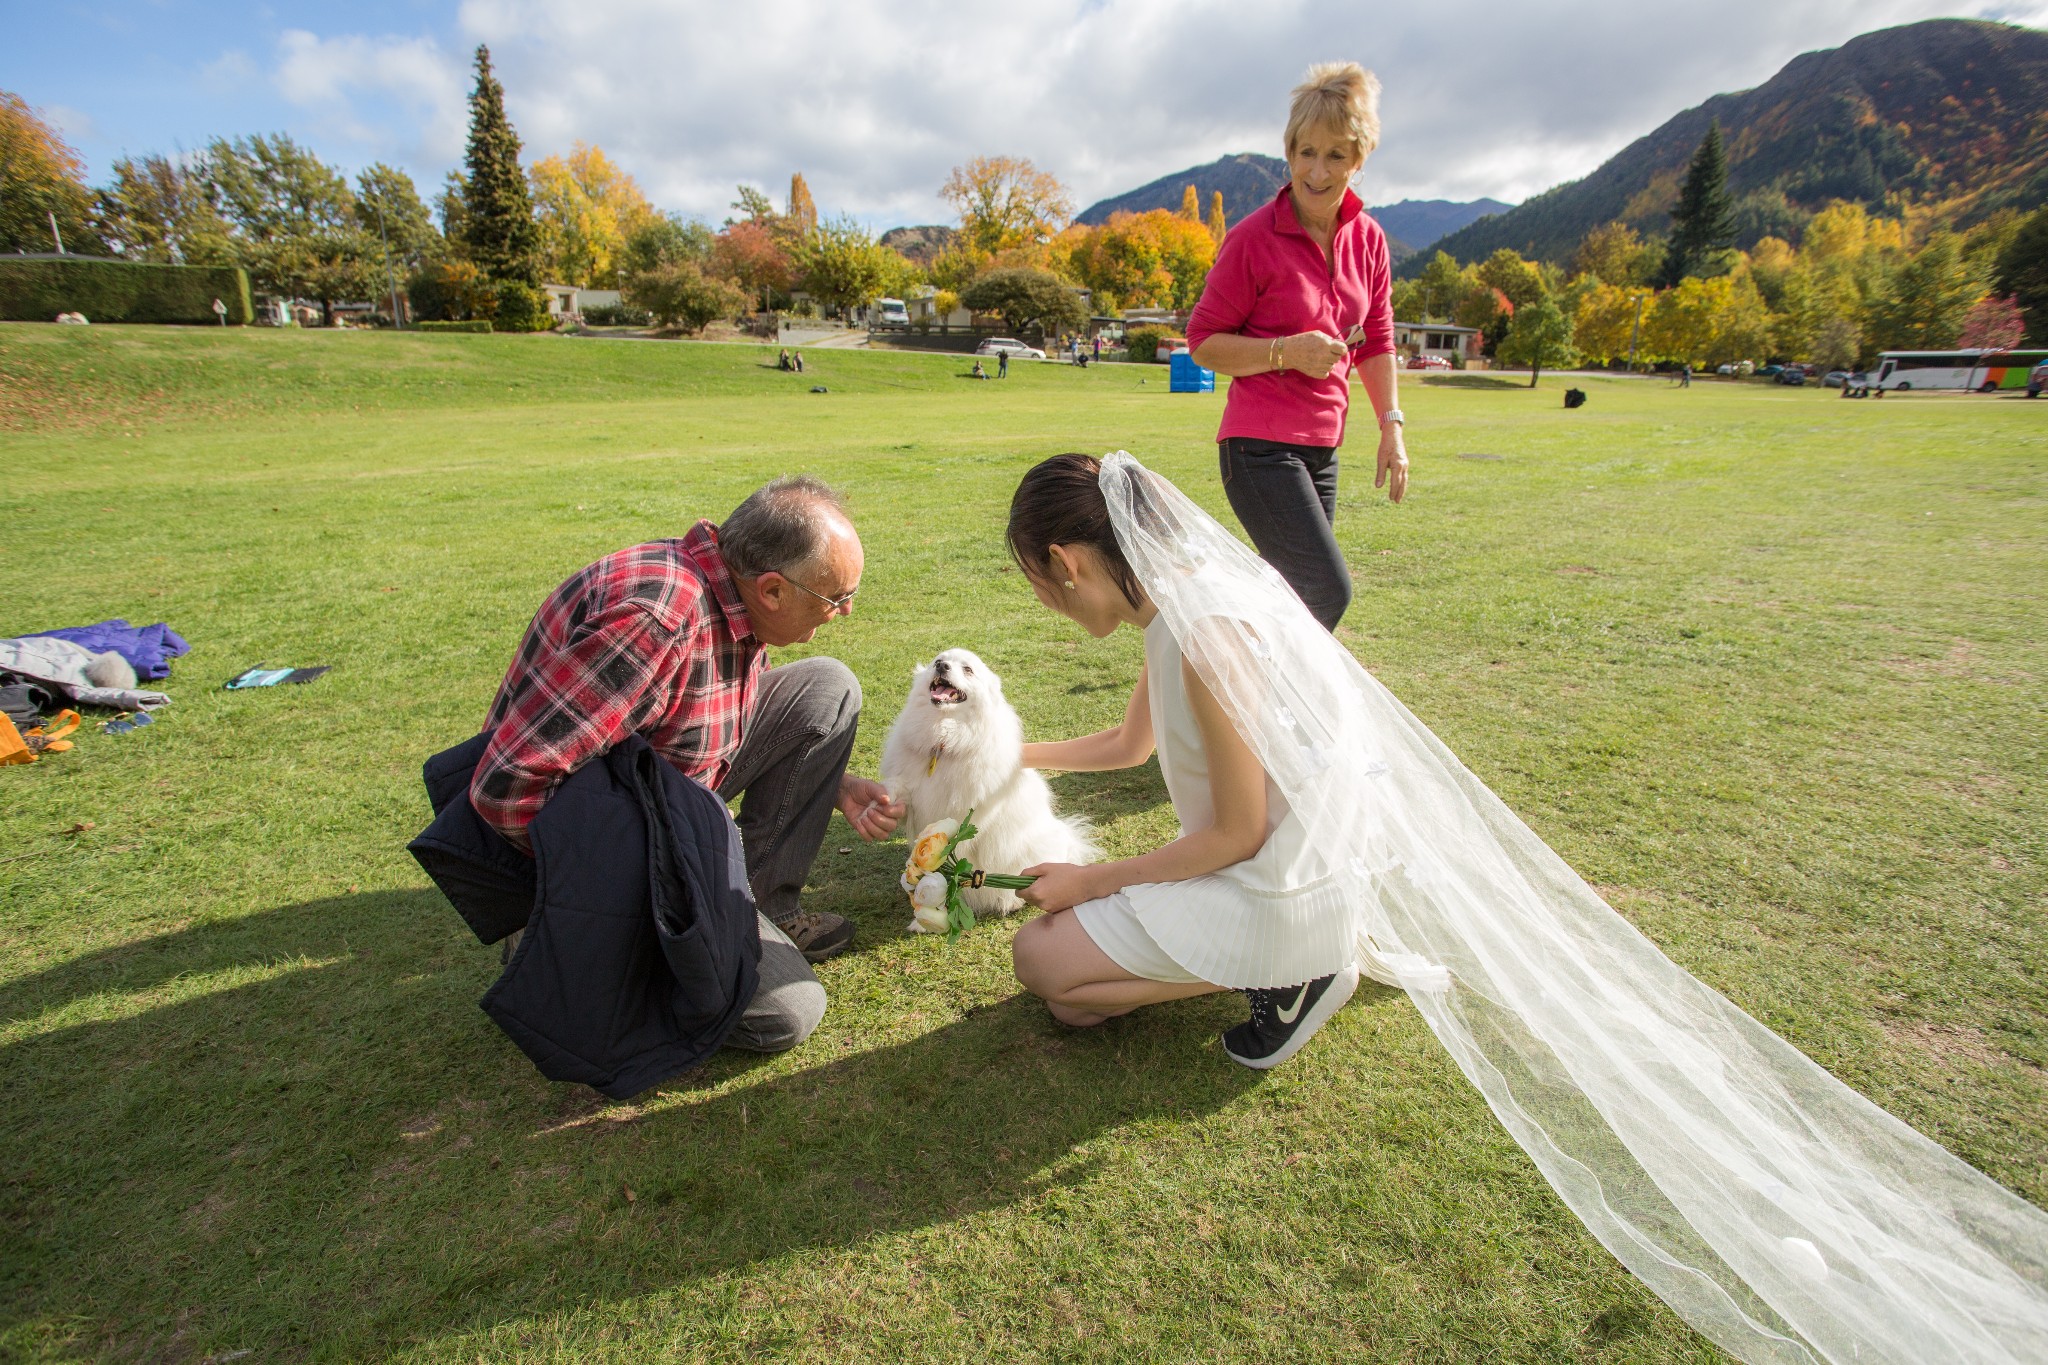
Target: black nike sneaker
(1286, 1017)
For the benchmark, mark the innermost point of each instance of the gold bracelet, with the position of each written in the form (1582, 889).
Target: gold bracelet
(1276, 354)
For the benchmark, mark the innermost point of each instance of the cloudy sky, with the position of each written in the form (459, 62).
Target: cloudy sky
(875, 102)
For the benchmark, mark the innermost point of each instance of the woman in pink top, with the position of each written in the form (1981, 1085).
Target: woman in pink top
(1300, 295)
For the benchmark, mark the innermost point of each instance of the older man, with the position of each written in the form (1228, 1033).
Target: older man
(668, 640)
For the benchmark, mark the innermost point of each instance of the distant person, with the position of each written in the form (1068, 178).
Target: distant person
(979, 372)
(798, 362)
(1098, 345)
(1301, 293)
(782, 361)
(1685, 376)
(1003, 365)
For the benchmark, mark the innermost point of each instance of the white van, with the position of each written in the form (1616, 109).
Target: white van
(892, 313)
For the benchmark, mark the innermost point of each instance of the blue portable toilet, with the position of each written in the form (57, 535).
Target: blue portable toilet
(1188, 377)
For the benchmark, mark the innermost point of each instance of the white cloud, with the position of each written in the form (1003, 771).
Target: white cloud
(399, 98)
(876, 102)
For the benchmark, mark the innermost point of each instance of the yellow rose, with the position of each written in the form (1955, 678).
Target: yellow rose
(930, 847)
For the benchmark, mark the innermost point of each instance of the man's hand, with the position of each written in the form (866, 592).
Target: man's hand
(1393, 475)
(1059, 885)
(868, 807)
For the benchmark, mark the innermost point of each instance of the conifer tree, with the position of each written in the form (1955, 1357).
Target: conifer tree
(1217, 225)
(803, 211)
(499, 229)
(1191, 204)
(1704, 221)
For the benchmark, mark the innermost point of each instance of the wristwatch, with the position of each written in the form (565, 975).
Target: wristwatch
(1392, 415)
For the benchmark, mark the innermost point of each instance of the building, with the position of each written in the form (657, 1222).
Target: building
(567, 301)
(1459, 344)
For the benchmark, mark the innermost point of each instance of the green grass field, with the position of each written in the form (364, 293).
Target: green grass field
(1764, 665)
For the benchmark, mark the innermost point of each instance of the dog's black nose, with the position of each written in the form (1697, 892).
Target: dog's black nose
(940, 665)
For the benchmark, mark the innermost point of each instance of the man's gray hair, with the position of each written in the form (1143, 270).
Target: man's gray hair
(782, 527)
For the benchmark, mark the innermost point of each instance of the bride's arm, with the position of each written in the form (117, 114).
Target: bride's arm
(1126, 746)
(1237, 789)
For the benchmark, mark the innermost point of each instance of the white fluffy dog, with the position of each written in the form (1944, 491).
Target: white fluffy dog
(958, 746)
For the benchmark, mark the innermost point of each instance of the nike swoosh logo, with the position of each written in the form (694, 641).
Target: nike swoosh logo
(1293, 1011)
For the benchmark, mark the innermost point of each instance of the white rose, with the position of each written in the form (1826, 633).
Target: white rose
(929, 920)
(929, 893)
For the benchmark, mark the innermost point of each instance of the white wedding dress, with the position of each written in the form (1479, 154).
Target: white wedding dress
(1782, 1214)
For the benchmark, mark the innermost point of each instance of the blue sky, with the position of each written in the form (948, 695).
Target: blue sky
(875, 102)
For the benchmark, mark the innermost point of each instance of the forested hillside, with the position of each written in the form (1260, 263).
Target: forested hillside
(1947, 117)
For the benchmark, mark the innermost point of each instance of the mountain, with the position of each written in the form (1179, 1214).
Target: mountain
(1948, 113)
(920, 244)
(1248, 180)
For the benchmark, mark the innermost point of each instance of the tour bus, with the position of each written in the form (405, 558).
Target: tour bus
(1981, 370)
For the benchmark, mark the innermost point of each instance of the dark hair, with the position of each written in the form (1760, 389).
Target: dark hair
(1060, 502)
(782, 526)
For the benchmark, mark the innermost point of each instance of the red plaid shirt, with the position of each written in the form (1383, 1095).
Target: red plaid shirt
(653, 641)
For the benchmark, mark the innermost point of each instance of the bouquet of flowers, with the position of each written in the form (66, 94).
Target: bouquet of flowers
(936, 874)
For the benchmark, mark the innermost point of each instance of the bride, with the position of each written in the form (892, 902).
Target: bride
(1326, 831)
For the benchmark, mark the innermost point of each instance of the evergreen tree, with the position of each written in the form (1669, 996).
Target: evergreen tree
(500, 232)
(1704, 221)
(2022, 273)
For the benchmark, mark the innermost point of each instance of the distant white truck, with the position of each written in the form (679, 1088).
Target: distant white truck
(892, 313)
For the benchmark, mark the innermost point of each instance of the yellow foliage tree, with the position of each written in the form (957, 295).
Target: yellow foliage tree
(1688, 319)
(1217, 225)
(1154, 259)
(1605, 320)
(803, 210)
(586, 208)
(1006, 201)
(1191, 204)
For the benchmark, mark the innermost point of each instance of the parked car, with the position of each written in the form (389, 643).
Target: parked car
(1770, 371)
(1429, 362)
(1834, 379)
(1010, 347)
(2037, 379)
(1791, 375)
(1724, 369)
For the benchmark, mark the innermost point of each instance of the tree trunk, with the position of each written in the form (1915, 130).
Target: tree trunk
(1534, 370)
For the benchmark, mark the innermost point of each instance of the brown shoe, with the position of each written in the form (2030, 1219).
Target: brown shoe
(818, 935)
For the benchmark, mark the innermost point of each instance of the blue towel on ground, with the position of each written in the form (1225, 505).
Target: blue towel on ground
(148, 649)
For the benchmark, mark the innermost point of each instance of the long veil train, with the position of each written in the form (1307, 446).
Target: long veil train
(1783, 1215)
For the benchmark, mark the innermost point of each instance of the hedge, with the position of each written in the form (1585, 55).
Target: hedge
(480, 325)
(37, 289)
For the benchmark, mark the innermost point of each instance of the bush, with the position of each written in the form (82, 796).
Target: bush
(1141, 344)
(107, 290)
(680, 295)
(449, 291)
(616, 315)
(436, 325)
(521, 308)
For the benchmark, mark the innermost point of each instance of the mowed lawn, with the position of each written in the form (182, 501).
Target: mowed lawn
(1764, 665)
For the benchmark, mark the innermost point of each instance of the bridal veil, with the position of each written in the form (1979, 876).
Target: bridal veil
(1783, 1215)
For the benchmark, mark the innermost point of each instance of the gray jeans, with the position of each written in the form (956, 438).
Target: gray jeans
(791, 756)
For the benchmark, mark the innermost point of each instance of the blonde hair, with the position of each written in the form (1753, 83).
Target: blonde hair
(1340, 95)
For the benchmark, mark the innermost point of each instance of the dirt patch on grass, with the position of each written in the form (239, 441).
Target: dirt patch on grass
(1950, 1044)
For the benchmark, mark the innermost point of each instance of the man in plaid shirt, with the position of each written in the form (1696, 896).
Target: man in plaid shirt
(668, 640)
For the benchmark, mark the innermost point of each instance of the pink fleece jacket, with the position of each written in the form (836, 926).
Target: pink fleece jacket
(1271, 279)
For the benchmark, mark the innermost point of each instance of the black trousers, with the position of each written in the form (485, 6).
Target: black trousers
(1286, 496)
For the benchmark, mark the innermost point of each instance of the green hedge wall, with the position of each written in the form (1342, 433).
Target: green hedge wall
(36, 290)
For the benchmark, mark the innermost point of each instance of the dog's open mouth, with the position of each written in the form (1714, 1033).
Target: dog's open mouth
(944, 693)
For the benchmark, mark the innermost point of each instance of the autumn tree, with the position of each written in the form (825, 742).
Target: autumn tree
(1191, 204)
(1686, 320)
(1027, 298)
(585, 208)
(1703, 222)
(1612, 253)
(499, 229)
(803, 211)
(1540, 335)
(1928, 301)
(842, 266)
(1217, 225)
(681, 296)
(1005, 200)
(1995, 324)
(1522, 281)
(1605, 321)
(41, 177)
(664, 240)
(1152, 259)
(749, 255)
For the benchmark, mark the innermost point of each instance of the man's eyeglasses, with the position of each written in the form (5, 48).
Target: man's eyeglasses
(839, 603)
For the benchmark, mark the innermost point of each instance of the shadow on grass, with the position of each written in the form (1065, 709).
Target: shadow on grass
(1472, 381)
(342, 1152)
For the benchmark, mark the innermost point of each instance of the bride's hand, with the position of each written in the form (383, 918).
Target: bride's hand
(1059, 885)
